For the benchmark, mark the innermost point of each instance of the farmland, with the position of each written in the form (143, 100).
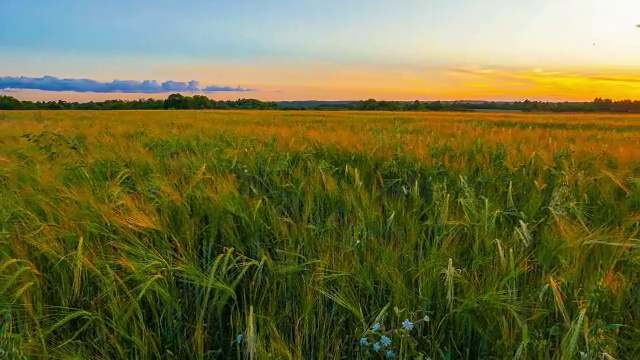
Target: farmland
(317, 235)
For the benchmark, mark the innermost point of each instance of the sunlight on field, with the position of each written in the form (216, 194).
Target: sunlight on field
(613, 136)
(225, 234)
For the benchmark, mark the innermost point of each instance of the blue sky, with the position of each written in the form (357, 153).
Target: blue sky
(390, 49)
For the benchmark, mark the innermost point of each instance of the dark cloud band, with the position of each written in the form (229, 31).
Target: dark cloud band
(51, 83)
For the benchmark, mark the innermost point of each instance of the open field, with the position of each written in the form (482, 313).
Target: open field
(167, 234)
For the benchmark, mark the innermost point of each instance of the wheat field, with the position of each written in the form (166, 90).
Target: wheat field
(319, 235)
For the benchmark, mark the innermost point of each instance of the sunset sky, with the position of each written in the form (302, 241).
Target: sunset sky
(321, 49)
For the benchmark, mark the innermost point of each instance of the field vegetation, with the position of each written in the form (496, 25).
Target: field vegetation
(319, 235)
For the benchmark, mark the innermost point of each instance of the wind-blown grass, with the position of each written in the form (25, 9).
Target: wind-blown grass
(139, 235)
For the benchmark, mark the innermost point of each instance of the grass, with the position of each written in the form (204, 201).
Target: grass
(140, 235)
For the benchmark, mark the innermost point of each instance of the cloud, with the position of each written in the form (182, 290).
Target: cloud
(622, 79)
(51, 83)
(224, 88)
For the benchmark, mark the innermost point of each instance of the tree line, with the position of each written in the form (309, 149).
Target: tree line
(179, 101)
(174, 101)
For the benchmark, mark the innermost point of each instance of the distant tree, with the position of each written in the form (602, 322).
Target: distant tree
(146, 104)
(435, 106)
(254, 104)
(370, 104)
(10, 103)
(52, 105)
(200, 102)
(388, 106)
(91, 106)
(601, 105)
(176, 101)
(219, 104)
(528, 105)
(116, 105)
(415, 106)
(29, 105)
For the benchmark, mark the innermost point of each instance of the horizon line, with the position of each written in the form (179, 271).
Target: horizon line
(5, 93)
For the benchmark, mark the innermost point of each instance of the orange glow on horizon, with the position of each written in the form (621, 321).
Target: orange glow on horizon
(326, 82)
